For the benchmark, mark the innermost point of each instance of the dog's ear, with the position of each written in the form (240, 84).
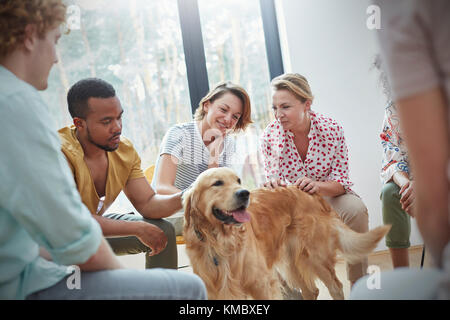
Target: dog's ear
(187, 205)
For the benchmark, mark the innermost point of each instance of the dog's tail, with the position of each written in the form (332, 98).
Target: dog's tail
(354, 246)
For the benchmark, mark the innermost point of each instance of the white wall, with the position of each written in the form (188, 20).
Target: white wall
(328, 42)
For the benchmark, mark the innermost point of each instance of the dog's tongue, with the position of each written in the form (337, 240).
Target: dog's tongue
(241, 216)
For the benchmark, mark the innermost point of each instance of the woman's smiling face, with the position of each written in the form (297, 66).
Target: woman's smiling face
(223, 113)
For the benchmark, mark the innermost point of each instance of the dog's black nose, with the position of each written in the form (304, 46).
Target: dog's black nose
(242, 194)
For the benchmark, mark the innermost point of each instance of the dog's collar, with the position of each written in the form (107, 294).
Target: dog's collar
(202, 239)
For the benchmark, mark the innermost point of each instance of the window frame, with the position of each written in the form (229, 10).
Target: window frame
(194, 50)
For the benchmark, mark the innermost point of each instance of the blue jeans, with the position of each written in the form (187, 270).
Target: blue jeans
(127, 284)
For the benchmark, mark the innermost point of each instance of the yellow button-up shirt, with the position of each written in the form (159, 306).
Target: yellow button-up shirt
(123, 164)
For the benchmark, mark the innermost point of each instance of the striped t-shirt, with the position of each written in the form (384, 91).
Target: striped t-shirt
(184, 142)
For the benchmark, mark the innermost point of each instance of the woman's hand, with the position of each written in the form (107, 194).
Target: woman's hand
(308, 185)
(407, 197)
(214, 140)
(274, 183)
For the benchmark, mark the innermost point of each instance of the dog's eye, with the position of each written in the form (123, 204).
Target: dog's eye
(239, 181)
(218, 183)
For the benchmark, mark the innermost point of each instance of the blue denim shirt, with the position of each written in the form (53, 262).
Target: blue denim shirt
(39, 203)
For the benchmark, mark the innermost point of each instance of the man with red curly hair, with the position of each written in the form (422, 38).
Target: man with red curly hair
(44, 226)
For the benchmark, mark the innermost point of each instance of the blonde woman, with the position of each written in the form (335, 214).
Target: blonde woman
(190, 148)
(306, 149)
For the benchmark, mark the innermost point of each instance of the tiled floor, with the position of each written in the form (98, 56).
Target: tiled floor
(380, 259)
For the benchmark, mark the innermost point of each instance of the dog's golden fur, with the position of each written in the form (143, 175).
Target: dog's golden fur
(291, 235)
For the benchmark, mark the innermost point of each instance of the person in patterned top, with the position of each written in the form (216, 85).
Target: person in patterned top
(397, 194)
(306, 149)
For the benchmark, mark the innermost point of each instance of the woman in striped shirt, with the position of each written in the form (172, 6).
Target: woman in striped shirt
(190, 148)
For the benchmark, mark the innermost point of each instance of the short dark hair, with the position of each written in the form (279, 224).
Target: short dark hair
(81, 91)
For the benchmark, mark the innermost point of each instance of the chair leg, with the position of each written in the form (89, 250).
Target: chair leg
(423, 257)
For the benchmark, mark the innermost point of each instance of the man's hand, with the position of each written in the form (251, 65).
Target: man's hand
(152, 236)
(407, 197)
(308, 185)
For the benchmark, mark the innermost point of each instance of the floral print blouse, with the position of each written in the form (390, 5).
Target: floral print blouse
(395, 154)
(326, 158)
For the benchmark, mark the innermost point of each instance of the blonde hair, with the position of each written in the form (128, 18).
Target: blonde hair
(296, 84)
(15, 15)
(219, 90)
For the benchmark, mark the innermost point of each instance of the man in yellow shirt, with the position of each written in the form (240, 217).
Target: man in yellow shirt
(103, 164)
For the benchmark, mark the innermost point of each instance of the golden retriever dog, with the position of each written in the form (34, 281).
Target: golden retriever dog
(244, 244)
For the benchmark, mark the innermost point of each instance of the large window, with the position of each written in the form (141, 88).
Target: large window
(137, 46)
(233, 38)
(235, 50)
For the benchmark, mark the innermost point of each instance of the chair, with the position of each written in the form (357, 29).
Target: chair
(149, 172)
(180, 240)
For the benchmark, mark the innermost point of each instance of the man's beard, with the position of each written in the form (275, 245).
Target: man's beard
(103, 147)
